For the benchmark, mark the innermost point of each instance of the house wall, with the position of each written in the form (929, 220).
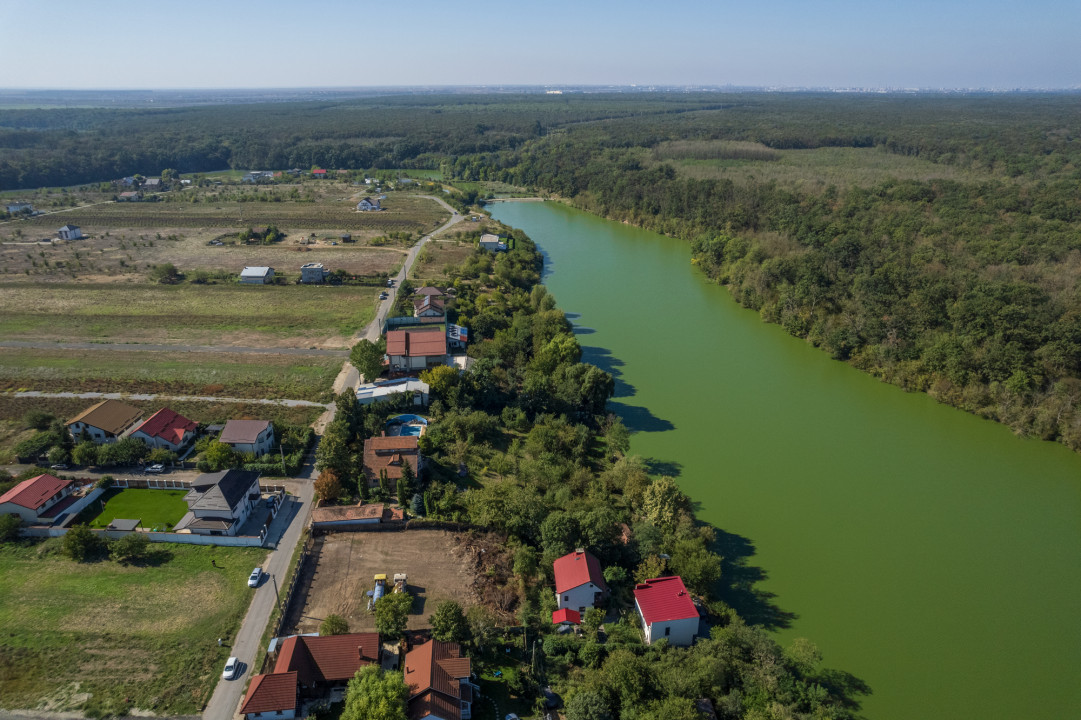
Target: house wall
(679, 632)
(261, 280)
(97, 435)
(26, 514)
(261, 446)
(579, 598)
(239, 514)
(157, 442)
(283, 715)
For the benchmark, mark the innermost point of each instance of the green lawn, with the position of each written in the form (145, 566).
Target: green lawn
(102, 637)
(156, 508)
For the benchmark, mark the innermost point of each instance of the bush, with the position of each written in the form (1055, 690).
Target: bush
(9, 528)
(334, 625)
(81, 544)
(38, 419)
(130, 549)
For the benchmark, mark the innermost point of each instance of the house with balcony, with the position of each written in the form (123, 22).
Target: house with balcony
(438, 678)
(220, 503)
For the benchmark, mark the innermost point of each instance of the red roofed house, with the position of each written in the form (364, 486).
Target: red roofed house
(667, 610)
(438, 680)
(306, 667)
(579, 581)
(31, 499)
(566, 616)
(166, 429)
(388, 453)
(416, 349)
(319, 173)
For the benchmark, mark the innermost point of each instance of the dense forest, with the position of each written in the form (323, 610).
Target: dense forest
(953, 268)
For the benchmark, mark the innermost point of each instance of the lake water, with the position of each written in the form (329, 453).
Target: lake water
(932, 554)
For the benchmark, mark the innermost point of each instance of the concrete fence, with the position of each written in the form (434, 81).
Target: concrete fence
(183, 538)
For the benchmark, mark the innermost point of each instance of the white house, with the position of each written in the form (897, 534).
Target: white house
(105, 422)
(166, 429)
(249, 436)
(220, 503)
(70, 232)
(367, 394)
(130, 196)
(19, 207)
(32, 499)
(579, 581)
(313, 273)
(429, 306)
(667, 610)
(257, 275)
(492, 243)
(369, 204)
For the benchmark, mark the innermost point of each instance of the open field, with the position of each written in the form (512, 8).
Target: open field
(13, 409)
(438, 254)
(103, 638)
(243, 315)
(169, 373)
(807, 169)
(348, 562)
(155, 508)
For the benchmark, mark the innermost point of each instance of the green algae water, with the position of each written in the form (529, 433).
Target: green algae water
(932, 554)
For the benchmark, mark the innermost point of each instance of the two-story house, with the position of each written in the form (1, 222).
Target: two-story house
(220, 503)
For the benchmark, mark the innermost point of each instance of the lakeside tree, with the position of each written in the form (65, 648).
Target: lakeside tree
(375, 695)
(367, 358)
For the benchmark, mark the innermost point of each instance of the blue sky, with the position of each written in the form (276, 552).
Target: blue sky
(242, 43)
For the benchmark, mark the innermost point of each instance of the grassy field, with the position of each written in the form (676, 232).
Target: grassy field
(103, 638)
(160, 509)
(191, 373)
(245, 315)
(437, 255)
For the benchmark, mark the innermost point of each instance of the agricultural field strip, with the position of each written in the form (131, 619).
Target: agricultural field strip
(187, 398)
(323, 352)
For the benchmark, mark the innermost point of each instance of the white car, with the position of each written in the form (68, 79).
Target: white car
(231, 667)
(255, 577)
(158, 468)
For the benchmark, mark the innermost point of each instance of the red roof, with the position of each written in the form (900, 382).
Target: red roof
(566, 615)
(35, 492)
(334, 658)
(412, 343)
(271, 693)
(167, 425)
(663, 599)
(319, 172)
(577, 568)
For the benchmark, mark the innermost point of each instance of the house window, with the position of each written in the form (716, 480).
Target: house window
(566, 598)
(668, 631)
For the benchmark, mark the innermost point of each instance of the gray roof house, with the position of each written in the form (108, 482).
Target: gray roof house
(220, 503)
(259, 275)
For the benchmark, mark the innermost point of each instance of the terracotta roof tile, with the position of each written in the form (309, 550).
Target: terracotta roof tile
(112, 416)
(663, 599)
(577, 568)
(335, 658)
(35, 492)
(416, 343)
(271, 693)
(167, 425)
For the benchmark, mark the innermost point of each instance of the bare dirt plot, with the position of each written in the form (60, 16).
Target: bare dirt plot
(348, 562)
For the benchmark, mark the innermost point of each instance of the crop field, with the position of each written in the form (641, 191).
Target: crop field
(805, 169)
(240, 375)
(161, 509)
(223, 315)
(103, 638)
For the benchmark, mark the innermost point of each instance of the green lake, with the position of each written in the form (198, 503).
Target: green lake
(930, 553)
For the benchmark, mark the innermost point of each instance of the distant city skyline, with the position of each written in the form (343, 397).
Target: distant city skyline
(950, 44)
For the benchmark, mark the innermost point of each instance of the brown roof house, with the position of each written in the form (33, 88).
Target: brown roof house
(429, 306)
(105, 422)
(36, 498)
(388, 454)
(416, 349)
(438, 680)
(306, 667)
(336, 517)
(255, 437)
(220, 503)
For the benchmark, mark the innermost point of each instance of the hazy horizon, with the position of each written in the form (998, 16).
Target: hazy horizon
(200, 45)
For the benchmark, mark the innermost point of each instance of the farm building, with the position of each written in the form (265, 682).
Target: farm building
(70, 232)
(166, 429)
(338, 517)
(369, 204)
(416, 349)
(306, 668)
(34, 498)
(255, 437)
(313, 273)
(220, 503)
(130, 196)
(579, 581)
(389, 454)
(667, 610)
(438, 680)
(105, 422)
(259, 275)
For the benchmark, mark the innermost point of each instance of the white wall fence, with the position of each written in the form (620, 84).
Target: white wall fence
(81, 504)
(184, 538)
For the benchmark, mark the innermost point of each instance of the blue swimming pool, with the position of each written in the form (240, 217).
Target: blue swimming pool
(406, 425)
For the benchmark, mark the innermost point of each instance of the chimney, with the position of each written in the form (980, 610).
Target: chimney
(579, 551)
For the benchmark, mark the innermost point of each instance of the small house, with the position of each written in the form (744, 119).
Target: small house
(220, 503)
(369, 204)
(167, 430)
(416, 349)
(35, 498)
(438, 678)
(130, 196)
(319, 173)
(152, 184)
(492, 243)
(313, 273)
(429, 306)
(260, 275)
(579, 581)
(388, 455)
(105, 422)
(18, 207)
(418, 389)
(253, 437)
(346, 237)
(70, 232)
(128, 181)
(566, 616)
(667, 610)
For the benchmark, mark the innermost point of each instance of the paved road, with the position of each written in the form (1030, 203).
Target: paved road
(227, 696)
(172, 348)
(349, 377)
(138, 396)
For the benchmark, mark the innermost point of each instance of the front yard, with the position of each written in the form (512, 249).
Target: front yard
(157, 509)
(102, 637)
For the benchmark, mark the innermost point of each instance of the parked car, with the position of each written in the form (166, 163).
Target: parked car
(231, 667)
(383, 295)
(60, 466)
(390, 282)
(255, 577)
(158, 468)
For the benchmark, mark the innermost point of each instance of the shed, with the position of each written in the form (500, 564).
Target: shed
(260, 275)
